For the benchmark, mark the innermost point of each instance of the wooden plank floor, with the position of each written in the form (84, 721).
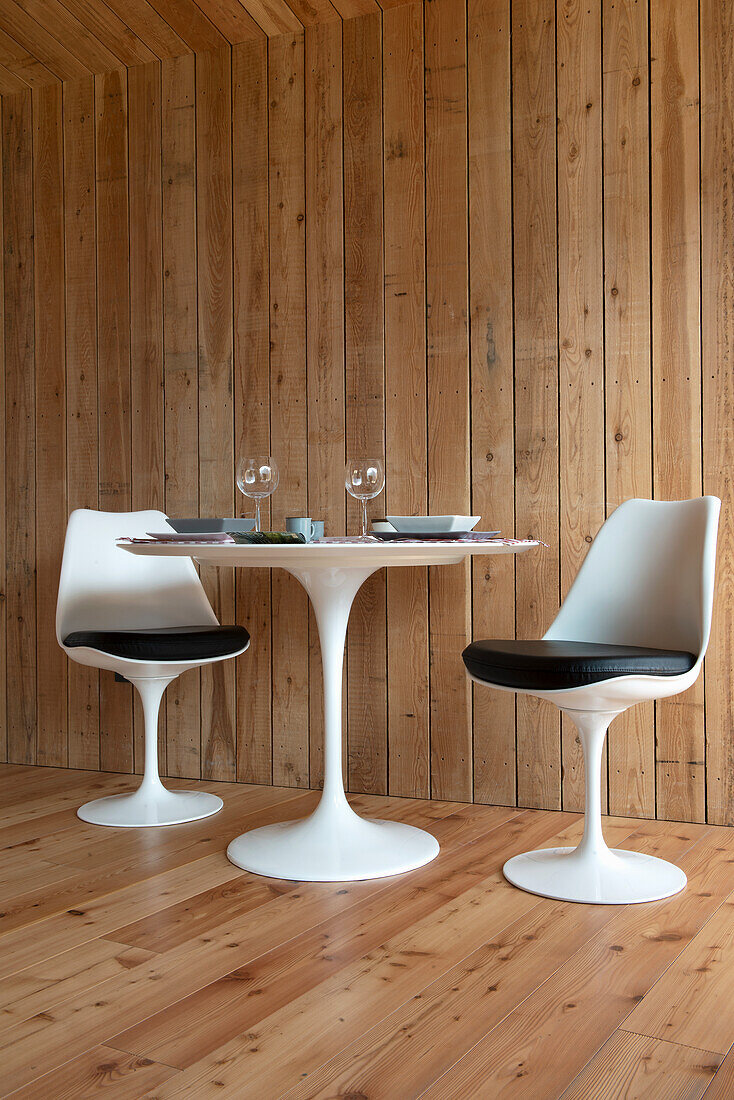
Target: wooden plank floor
(142, 964)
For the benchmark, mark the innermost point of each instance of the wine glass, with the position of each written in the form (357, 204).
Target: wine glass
(257, 478)
(364, 479)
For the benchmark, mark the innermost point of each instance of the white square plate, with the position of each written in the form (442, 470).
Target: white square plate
(433, 524)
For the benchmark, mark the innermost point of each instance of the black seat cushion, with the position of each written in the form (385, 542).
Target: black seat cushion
(178, 643)
(553, 665)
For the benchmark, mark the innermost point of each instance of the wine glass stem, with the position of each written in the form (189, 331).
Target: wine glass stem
(257, 514)
(364, 518)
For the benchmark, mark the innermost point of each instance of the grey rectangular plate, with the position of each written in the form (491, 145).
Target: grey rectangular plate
(198, 526)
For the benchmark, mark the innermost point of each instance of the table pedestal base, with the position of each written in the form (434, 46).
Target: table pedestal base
(334, 844)
(337, 846)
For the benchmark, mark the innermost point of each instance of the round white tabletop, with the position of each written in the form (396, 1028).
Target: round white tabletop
(339, 552)
(333, 844)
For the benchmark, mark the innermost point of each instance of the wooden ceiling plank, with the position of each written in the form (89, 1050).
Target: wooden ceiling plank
(190, 24)
(351, 9)
(68, 30)
(22, 64)
(10, 83)
(232, 19)
(311, 12)
(40, 43)
(274, 16)
(111, 30)
(150, 27)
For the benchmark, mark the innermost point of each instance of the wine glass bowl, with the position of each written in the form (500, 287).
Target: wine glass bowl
(257, 478)
(364, 479)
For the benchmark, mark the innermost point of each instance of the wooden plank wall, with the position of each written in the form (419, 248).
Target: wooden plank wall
(492, 238)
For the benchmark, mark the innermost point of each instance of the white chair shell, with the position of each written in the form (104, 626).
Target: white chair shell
(648, 580)
(103, 588)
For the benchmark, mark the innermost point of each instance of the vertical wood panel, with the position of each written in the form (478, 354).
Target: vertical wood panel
(448, 385)
(325, 327)
(406, 490)
(50, 473)
(146, 286)
(82, 436)
(113, 295)
(492, 411)
(113, 369)
(146, 320)
(216, 465)
(3, 523)
(627, 336)
(365, 383)
(180, 366)
(20, 485)
(252, 386)
(676, 356)
(288, 411)
(536, 376)
(717, 309)
(580, 318)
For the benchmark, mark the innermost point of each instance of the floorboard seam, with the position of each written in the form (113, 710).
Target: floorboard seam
(670, 1042)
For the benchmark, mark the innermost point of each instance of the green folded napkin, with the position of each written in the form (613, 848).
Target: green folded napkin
(265, 538)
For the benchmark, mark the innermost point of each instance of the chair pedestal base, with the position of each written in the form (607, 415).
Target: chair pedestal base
(594, 873)
(152, 804)
(611, 876)
(144, 808)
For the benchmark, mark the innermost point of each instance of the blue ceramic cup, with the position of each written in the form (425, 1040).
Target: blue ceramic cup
(300, 525)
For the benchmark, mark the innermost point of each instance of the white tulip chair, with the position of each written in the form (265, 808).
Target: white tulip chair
(148, 620)
(634, 627)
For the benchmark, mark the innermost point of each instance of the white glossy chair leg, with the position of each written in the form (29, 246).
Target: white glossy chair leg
(151, 803)
(592, 872)
(334, 844)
